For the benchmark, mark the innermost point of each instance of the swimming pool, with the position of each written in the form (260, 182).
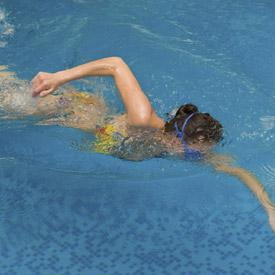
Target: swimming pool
(68, 211)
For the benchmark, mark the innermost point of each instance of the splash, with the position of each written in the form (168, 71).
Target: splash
(15, 96)
(6, 29)
(268, 122)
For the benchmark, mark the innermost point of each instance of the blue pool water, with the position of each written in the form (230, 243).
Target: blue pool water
(68, 211)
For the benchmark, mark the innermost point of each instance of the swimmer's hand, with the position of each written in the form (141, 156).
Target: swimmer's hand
(45, 83)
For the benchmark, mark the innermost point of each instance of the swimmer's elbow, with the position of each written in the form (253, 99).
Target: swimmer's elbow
(117, 61)
(114, 65)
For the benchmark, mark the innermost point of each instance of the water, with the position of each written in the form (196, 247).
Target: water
(65, 211)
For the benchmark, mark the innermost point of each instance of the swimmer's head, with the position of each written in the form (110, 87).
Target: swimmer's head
(197, 128)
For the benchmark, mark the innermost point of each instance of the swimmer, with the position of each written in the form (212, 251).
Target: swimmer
(139, 133)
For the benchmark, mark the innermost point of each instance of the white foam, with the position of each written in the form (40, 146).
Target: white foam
(268, 122)
(15, 96)
(6, 29)
(3, 44)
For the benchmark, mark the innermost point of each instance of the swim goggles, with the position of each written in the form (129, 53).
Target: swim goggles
(190, 154)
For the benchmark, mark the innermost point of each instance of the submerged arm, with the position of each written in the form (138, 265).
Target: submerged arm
(253, 184)
(138, 107)
(5, 73)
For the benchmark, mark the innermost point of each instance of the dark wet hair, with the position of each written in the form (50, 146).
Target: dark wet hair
(200, 128)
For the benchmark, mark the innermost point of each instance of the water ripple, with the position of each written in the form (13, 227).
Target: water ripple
(269, 170)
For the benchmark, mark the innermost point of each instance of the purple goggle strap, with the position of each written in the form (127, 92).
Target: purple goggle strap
(180, 134)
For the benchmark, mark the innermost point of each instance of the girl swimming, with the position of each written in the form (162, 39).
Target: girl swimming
(139, 133)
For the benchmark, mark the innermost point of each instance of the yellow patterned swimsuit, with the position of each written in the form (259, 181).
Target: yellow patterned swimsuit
(108, 138)
(79, 97)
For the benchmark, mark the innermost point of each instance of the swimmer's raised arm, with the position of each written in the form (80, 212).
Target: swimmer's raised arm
(138, 107)
(252, 183)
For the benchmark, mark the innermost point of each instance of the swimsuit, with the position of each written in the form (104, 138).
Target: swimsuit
(64, 100)
(107, 139)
